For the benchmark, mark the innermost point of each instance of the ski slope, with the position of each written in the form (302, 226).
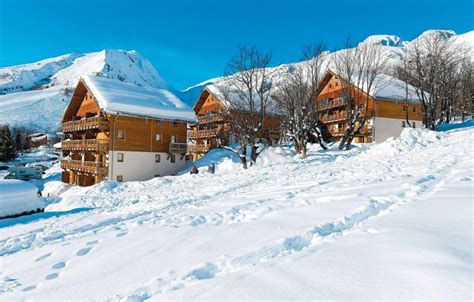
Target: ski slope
(382, 221)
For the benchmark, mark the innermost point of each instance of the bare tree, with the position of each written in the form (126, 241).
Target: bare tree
(358, 69)
(296, 96)
(247, 91)
(433, 64)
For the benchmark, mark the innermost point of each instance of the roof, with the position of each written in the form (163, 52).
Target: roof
(384, 87)
(117, 97)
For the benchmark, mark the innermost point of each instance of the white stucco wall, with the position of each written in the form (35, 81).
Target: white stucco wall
(142, 165)
(389, 127)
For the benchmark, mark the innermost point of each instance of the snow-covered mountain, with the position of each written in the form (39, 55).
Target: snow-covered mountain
(395, 49)
(35, 95)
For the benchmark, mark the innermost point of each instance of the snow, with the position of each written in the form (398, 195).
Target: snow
(54, 77)
(124, 98)
(381, 221)
(17, 196)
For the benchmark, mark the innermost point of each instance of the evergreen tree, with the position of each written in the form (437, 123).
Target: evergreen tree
(8, 148)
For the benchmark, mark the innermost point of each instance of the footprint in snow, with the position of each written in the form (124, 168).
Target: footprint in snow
(51, 276)
(92, 242)
(41, 258)
(59, 265)
(28, 288)
(121, 234)
(84, 251)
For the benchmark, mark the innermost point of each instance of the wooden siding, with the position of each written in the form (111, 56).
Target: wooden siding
(394, 109)
(88, 105)
(140, 133)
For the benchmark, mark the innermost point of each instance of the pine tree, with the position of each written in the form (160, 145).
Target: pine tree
(8, 148)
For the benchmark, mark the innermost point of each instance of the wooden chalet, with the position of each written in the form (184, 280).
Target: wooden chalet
(387, 104)
(213, 126)
(121, 131)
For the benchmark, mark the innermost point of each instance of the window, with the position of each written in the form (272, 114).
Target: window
(173, 158)
(175, 124)
(121, 134)
(158, 123)
(157, 158)
(330, 85)
(158, 138)
(120, 157)
(404, 108)
(337, 84)
(414, 109)
(414, 125)
(173, 139)
(119, 178)
(403, 124)
(157, 175)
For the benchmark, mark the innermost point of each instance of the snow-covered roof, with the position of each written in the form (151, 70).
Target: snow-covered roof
(39, 138)
(118, 97)
(388, 87)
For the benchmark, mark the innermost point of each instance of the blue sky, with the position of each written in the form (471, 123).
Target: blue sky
(191, 41)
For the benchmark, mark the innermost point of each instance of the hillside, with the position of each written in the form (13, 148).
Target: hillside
(382, 221)
(35, 95)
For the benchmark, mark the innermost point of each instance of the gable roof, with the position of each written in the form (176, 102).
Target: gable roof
(117, 97)
(384, 87)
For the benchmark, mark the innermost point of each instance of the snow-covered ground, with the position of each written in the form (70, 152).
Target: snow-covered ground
(382, 221)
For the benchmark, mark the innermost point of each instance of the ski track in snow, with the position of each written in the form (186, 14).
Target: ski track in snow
(323, 177)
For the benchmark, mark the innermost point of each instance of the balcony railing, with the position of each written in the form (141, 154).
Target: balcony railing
(208, 133)
(211, 118)
(339, 102)
(199, 148)
(179, 148)
(271, 134)
(85, 166)
(96, 122)
(333, 118)
(97, 145)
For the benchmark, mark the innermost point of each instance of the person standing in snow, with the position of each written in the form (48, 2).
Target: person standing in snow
(194, 170)
(211, 168)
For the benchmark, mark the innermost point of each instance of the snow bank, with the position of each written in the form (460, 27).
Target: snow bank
(17, 197)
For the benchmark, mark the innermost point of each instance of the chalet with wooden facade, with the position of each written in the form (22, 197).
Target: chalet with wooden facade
(388, 107)
(213, 126)
(121, 131)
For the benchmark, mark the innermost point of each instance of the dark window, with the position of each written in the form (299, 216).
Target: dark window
(173, 158)
(157, 158)
(175, 124)
(158, 123)
(119, 178)
(403, 124)
(414, 109)
(120, 157)
(157, 175)
(414, 125)
(404, 108)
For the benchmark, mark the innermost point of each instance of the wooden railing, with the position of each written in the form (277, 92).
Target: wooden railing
(271, 134)
(339, 102)
(333, 118)
(199, 148)
(211, 118)
(84, 166)
(86, 145)
(96, 122)
(179, 148)
(203, 133)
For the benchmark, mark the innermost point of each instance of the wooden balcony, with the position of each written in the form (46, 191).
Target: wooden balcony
(333, 118)
(271, 134)
(178, 148)
(96, 145)
(339, 102)
(208, 133)
(211, 118)
(92, 167)
(199, 148)
(96, 122)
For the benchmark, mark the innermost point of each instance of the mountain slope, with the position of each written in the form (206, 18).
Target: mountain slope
(395, 48)
(36, 95)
